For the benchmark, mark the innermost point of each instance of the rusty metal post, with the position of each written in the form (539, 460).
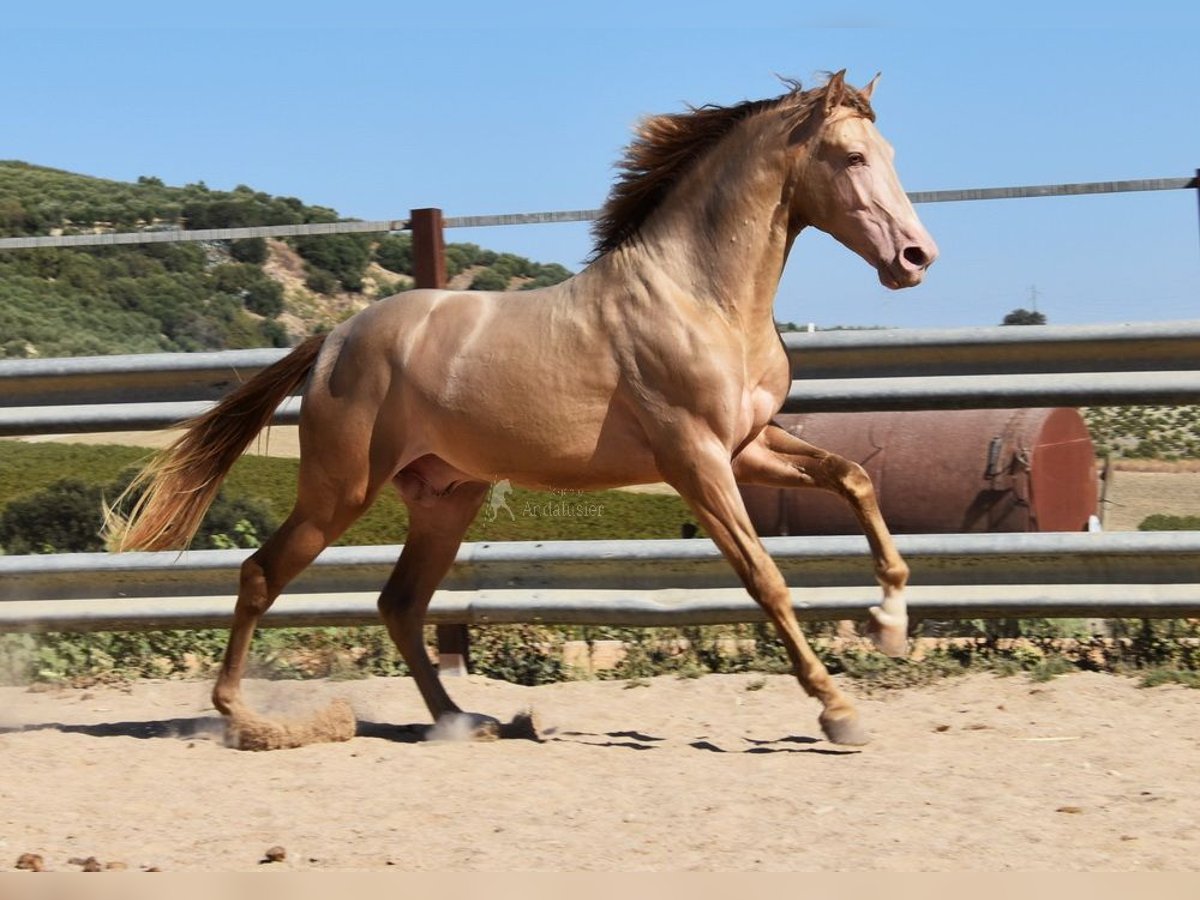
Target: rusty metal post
(429, 271)
(454, 650)
(429, 248)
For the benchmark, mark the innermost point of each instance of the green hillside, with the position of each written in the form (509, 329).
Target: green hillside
(195, 296)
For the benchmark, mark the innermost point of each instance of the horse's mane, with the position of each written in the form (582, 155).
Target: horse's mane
(666, 146)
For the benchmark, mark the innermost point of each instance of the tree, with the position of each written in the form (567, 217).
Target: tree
(1024, 317)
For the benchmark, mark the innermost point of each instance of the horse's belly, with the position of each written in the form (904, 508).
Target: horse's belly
(559, 455)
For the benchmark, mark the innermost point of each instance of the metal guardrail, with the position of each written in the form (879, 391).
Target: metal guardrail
(577, 215)
(640, 582)
(994, 391)
(995, 350)
(1140, 363)
(644, 582)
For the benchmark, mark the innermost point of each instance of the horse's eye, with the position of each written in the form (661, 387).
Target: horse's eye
(856, 159)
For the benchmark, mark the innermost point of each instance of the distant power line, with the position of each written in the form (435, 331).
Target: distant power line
(538, 218)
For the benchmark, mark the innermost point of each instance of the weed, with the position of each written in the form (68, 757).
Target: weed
(521, 654)
(1157, 677)
(1051, 667)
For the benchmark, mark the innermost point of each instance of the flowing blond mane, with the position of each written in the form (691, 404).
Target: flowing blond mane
(668, 145)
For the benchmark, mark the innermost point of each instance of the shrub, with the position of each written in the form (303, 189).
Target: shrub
(345, 256)
(521, 654)
(1162, 522)
(394, 253)
(320, 281)
(489, 280)
(259, 293)
(249, 250)
(547, 275)
(67, 516)
(64, 517)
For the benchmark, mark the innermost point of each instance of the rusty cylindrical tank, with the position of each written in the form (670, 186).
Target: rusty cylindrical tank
(945, 471)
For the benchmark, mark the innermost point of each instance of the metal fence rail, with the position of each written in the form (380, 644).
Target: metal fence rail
(640, 582)
(577, 215)
(1142, 363)
(995, 350)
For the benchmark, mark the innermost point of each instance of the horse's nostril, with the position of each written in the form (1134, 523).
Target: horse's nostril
(915, 256)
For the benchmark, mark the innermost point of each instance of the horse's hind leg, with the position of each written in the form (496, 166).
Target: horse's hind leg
(437, 524)
(780, 459)
(319, 517)
(703, 476)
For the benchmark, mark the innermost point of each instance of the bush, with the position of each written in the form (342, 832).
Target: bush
(521, 654)
(257, 292)
(67, 517)
(1162, 522)
(394, 253)
(278, 653)
(489, 280)
(249, 250)
(320, 281)
(273, 334)
(62, 518)
(547, 275)
(345, 256)
(512, 266)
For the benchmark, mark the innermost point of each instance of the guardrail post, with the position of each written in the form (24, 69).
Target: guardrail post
(1196, 185)
(429, 271)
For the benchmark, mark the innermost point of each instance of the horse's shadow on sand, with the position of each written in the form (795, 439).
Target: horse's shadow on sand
(626, 740)
(213, 728)
(199, 727)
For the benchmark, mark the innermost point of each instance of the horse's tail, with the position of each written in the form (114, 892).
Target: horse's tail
(178, 485)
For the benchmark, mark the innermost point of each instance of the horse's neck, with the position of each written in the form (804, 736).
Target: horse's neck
(723, 234)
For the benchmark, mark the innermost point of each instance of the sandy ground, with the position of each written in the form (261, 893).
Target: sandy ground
(727, 772)
(1132, 496)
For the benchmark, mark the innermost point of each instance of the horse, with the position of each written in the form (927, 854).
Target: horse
(662, 354)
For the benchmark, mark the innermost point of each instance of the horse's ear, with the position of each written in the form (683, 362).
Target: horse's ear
(870, 88)
(835, 91)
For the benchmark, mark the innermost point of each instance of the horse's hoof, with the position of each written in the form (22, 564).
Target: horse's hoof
(461, 726)
(523, 727)
(888, 632)
(846, 730)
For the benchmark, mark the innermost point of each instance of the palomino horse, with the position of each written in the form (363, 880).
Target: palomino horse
(662, 354)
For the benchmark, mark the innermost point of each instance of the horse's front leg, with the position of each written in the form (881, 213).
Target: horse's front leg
(779, 459)
(700, 470)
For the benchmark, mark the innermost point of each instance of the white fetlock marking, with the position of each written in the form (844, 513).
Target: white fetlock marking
(893, 605)
(889, 620)
(889, 633)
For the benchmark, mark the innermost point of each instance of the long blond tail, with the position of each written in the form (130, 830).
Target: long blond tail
(179, 483)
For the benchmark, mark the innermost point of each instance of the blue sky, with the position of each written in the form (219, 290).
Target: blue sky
(491, 108)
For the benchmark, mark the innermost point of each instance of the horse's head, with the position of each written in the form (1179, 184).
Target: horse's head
(847, 187)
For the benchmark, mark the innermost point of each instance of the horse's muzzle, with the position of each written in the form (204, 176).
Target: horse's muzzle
(908, 268)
